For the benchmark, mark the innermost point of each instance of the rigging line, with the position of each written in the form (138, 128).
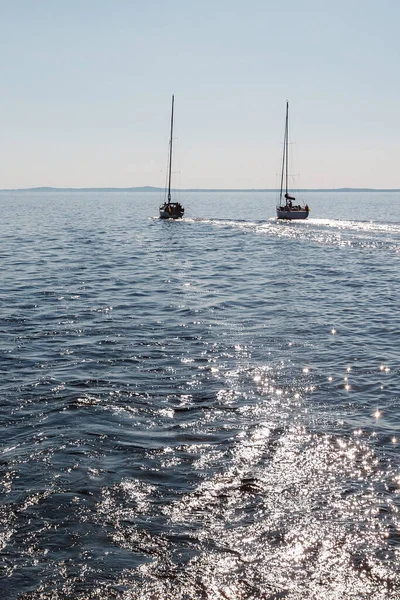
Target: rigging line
(283, 157)
(287, 148)
(165, 191)
(170, 151)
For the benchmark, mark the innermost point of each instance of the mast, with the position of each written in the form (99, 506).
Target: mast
(170, 151)
(287, 144)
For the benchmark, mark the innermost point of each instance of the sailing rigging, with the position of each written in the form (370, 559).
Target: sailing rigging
(171, 210)
(286, 209)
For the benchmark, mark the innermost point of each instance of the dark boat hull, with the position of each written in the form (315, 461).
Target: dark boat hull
(291, 214)
(171, 210)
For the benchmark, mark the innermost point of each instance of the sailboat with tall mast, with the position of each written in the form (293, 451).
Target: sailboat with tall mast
(171, 210)
(286, 208)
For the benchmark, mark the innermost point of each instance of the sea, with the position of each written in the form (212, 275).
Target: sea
(204, 409)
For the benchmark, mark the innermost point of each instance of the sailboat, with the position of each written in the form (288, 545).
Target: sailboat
(171, 210)
(286, 208)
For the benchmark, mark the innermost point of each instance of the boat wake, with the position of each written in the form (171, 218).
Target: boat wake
(328, 232)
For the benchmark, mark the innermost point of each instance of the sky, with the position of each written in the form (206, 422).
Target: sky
(86, 90)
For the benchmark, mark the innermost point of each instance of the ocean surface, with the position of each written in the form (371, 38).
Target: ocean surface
(204, 409)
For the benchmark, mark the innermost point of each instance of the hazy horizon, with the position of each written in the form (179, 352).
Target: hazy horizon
(150, 189)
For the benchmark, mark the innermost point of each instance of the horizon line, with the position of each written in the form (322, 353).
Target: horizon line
(148, 188)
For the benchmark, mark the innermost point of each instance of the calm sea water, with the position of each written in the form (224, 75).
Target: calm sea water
(205, 409)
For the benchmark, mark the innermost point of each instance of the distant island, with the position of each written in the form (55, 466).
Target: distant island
(148, 188)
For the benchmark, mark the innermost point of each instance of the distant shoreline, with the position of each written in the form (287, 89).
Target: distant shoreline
(156, 189)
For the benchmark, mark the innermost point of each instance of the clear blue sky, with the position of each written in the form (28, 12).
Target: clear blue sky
(86, 88)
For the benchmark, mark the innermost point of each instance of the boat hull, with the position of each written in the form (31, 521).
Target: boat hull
(291, 215)
(173, 210)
